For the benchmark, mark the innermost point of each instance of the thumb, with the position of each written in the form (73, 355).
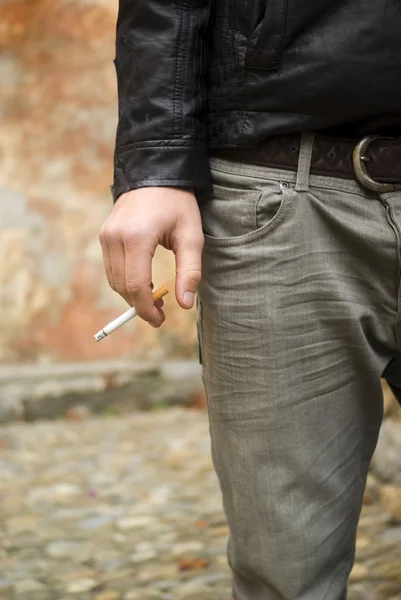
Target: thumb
(188, 260)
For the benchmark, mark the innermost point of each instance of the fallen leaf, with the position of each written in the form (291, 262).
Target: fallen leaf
(189, 564)
(197, 401)
(77, 413)
(110, 380)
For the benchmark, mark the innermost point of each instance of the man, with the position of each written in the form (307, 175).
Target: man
(272, 102)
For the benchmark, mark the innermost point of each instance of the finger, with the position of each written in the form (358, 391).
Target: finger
(138, 280)
(117, 261)
(162, 318)
(159, 305)
(107, 261)
(188, 259)
(162, 315)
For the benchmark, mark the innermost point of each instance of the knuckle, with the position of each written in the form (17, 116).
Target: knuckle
(111, 235)
(194, 274)
(106, 234)
(129, 235)
(120, 287)
(199, 241)
(193, 238)
(133, 288)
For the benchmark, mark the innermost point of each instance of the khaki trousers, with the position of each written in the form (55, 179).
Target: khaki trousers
(299, 318)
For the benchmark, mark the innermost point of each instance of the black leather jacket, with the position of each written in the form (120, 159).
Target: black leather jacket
(200, 74)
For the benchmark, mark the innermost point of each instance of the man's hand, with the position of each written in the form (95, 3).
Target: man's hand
(138, 222)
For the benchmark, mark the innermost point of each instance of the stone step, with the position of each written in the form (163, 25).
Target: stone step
(29, 392)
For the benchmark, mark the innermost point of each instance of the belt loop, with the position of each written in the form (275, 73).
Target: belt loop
(304, 162)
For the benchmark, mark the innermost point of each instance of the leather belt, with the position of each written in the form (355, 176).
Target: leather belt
(374, 161)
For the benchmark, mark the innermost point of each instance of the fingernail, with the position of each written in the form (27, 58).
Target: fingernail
(189, 299)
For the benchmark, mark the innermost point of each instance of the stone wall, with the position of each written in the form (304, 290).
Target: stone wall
(58, 118)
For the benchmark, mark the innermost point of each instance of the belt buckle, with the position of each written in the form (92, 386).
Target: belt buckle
(359, 159)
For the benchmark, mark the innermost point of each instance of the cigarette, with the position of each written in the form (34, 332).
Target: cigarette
(125, 317)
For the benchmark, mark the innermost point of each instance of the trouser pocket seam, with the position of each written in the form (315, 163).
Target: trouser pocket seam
(199, 332)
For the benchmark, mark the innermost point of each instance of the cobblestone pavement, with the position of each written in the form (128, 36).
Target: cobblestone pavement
(128, 508)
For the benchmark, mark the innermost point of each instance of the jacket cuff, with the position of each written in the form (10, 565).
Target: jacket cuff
(161, 164)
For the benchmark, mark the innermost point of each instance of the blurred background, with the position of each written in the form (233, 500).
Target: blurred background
(58, 111)
(58, 108)
(98, 501)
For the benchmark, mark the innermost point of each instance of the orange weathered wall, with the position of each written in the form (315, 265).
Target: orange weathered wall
(58, 117)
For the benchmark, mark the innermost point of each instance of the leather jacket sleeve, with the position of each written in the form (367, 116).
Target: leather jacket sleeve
(161, 63)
